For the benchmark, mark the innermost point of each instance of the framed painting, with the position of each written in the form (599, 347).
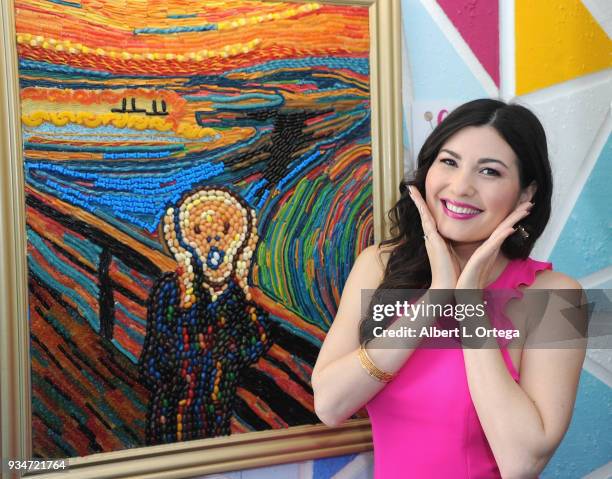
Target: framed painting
(184, 188)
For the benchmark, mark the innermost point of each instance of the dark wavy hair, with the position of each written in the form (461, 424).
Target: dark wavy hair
(408, 266)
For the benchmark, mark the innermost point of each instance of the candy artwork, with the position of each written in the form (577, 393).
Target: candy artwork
(202, 328)
(198, 183)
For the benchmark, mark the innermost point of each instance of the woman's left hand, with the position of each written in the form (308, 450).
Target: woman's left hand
(476, 271)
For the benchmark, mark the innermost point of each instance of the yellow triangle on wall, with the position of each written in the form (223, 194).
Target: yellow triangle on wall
(557, 40)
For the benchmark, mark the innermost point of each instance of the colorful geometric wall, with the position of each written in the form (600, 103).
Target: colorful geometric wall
(554, 56)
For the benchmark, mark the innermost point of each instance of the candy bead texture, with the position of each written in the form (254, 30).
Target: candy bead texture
(202, 331)
(285, 124)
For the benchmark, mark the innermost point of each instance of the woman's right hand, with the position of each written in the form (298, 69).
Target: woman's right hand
(445, 268)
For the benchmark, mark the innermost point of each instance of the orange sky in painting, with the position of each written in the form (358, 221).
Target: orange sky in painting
(103, 34)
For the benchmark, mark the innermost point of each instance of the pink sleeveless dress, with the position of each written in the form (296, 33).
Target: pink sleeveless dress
(424, 423)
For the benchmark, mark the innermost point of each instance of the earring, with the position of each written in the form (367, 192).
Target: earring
(523, 233)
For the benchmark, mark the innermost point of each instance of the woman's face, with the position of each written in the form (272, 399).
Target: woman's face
(473, 184)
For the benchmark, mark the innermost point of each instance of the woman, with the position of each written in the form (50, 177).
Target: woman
(480, 197)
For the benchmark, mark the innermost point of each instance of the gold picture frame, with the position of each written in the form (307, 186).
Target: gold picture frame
(199, 457)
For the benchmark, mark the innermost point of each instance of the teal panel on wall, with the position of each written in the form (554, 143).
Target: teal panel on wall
(588, 443)
(585, 244)
(437, 70)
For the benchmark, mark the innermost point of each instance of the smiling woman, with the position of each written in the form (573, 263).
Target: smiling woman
(474, 177)
(485, 156)
(467, 220)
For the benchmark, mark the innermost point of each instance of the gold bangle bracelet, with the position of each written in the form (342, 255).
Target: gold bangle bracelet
(371, 368)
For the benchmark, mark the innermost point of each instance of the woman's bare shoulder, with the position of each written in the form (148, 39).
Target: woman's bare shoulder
(548, 279)
(376, 257)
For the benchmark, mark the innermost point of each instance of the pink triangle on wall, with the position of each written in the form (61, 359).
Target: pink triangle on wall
(478, 23)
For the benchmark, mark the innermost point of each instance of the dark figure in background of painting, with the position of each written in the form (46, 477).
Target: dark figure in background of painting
(203, 329)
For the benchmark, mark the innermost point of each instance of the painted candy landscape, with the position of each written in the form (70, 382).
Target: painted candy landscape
(198, 184)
